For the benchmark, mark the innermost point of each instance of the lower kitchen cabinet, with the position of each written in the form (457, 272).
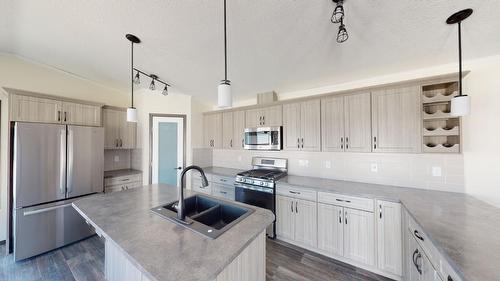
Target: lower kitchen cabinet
(389, 241)
(296, 220)
(122, 183)
(331, 229)
(359, 236)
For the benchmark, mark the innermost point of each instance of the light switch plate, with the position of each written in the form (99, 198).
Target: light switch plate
(436, 171)
(374, 167)
(117, 158)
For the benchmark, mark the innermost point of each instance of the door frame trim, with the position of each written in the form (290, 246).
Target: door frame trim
(184, 125)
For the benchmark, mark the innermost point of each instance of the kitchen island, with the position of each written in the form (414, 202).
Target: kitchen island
(141, 245)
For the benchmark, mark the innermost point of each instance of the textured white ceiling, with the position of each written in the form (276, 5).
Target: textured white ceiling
(284, 45)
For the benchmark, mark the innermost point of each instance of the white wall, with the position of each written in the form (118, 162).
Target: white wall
(148, 102)
(482, 131)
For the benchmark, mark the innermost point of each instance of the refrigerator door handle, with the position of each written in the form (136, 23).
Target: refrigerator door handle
(34, 212)
(62, 169)
(70, 160)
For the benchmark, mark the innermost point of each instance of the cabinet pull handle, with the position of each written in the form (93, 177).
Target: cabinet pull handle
(302, 142)
(374, 142)
(116, 143)
(296, 208)
(346, 142)
(340, 216)
(417, 234)
(341, 143)
(294, 192)
(339, 200)
(345, 217)
(231, 143)
(65, 116)
(449, 278)
(380, 210)
(58, 116)
(416, 256)
(223, 192)
(121, 143)
(291, 206)
(242, 143)
(264, 120)
(223, 180)
(298, 143)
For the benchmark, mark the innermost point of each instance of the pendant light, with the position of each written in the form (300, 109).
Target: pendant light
(132, 111)
(224, 97)
(460, 104)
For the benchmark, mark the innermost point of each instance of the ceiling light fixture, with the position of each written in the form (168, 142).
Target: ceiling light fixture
(338, 12)
(224, 97)
(152, 85)
(460, 104)
(338, 17)
(154, 79)
(132, 111)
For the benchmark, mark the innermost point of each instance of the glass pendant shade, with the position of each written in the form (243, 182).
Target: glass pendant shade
(137, 79)
(224, 97)
(342, 35)
(152, 86)
(460, 105)
(165, 91)
(132, 114)
(338, 13)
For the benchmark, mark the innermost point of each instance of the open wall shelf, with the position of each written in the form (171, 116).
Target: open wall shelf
(441, 132)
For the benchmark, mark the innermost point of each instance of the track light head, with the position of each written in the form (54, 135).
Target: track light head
(342, 35)
(152, 86)
(137, 79)
(165, 91)
(338, 12)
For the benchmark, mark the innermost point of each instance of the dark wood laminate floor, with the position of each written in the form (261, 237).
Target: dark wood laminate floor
(84, 261)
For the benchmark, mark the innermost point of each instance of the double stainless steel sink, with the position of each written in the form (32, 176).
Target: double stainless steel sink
(205, 215)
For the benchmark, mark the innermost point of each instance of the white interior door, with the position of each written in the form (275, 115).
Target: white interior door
(167, 149)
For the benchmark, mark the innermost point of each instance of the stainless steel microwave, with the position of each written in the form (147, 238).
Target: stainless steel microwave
(263, 138)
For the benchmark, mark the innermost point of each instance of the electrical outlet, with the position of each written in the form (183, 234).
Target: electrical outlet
(239, 158)
(117, 158)
(303, 163)
(436, 171)
(328, 164)
(374, 167)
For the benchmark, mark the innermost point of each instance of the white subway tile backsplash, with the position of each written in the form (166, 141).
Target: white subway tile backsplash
(409, 170)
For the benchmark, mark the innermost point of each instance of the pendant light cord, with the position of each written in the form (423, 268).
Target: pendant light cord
(460, 57)
(225, 44)
(132, 73)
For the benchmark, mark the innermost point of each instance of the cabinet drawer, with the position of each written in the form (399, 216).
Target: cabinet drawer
(122, 180)
(196, 186)
(359, 203)
(295, 192)
(223, 191)
(419, 235)
(223, 180)
(121, 187)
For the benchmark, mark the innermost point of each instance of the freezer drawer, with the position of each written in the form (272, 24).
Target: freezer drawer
(46, 227)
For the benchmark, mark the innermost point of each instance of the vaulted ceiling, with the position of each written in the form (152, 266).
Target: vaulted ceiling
(282, 45)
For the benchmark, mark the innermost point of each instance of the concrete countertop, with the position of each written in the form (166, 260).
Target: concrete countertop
(120, 173)
(463, 228)
(163, 249)
(220, 171)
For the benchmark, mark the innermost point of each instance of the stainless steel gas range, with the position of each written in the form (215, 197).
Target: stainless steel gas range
(257, 186)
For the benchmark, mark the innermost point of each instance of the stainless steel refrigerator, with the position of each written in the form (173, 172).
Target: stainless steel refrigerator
(53, 165)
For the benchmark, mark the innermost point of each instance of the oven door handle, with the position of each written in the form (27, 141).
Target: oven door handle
(254, 188)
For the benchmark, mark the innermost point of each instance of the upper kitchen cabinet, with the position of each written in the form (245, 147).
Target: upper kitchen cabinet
(227, 130)
(118, 133)
(81, 114)
(212, 124)
(346, 123)
(41, 109)
(396, 118)
(266, 116)
(238, 130)
(301, 126)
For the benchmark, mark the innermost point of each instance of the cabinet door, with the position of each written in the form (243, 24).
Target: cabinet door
(285, 217)
(33, 109)
(208, 131)
(238, 129)
(331, 229)
(396, 118)
(332, 123)
(253, 118)
(310, 125)
(291, 126)
(414, 254)
(389, 237)
(306, 223)
(127, 131)
(81, 114)
(359, 236)
(227, 130)
(358, 131)
(272, 116)
(217, 130)
(111, 128)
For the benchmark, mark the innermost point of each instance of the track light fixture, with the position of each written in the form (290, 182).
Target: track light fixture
(338, 12)
(154, 79)
(338, 17)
